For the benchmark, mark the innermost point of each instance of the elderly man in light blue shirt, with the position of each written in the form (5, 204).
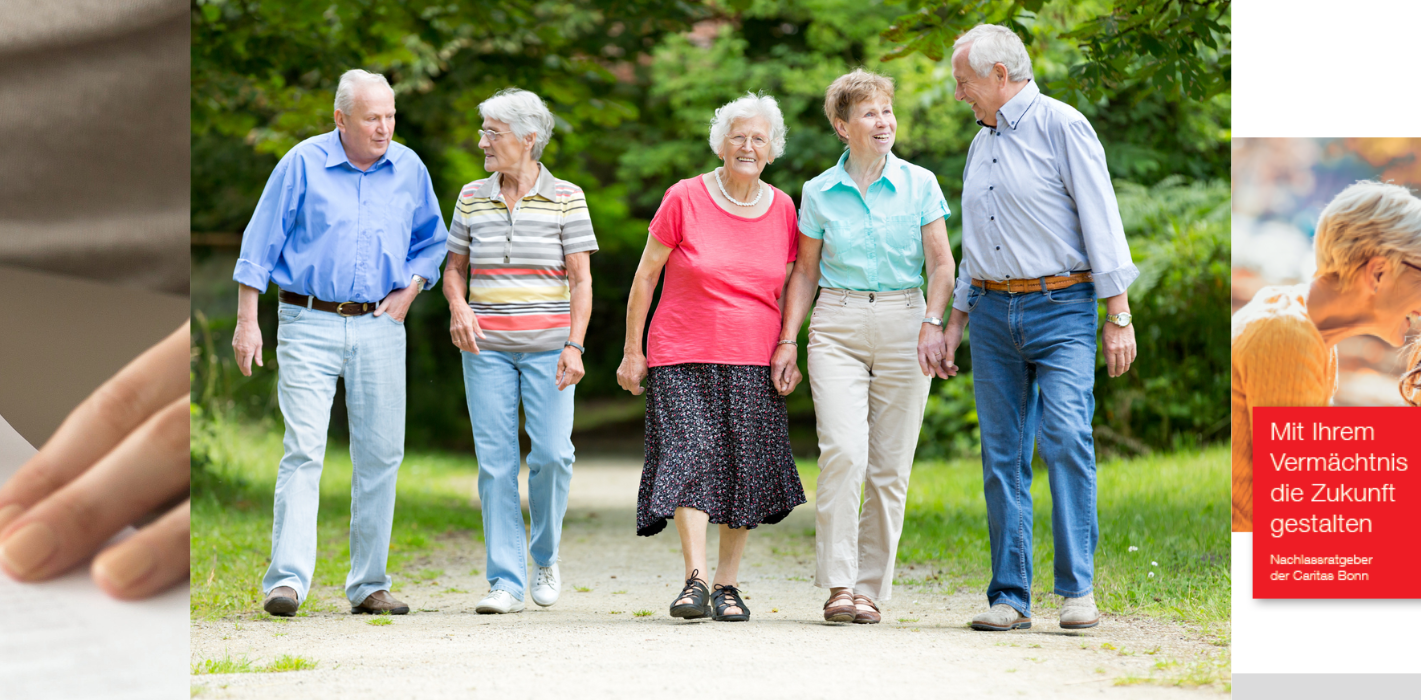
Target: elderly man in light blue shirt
(348, 227)
(1041, 243)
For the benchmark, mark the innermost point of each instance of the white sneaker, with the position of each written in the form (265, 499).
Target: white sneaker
(499, 601)
(547, 585)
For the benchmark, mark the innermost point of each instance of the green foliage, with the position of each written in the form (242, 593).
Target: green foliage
(950, 426)
(633, 91)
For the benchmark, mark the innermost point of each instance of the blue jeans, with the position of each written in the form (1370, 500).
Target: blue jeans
(313, 349)
(493, 383)
(1033, 366)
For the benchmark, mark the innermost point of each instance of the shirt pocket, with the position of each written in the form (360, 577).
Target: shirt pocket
(903, 240)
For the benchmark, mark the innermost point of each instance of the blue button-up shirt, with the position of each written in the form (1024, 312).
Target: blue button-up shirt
(327, 229)
(1037, 200)
(872, 242)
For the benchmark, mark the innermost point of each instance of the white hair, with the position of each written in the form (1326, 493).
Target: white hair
(524, 113)
(748, 107)
(351, 81)
(990, 44)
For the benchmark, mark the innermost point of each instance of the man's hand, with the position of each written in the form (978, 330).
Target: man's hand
(784, 369)
(952, 339)
(569, 367)
(464, 328)
(631, 372)
(247, 342)
(397, 303)
(120, 456)
(1119, 348)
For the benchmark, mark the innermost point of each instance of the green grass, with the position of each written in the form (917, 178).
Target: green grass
(232, 512)
(643, 613)
(380, 622)
(1173, 508)
(241, 664)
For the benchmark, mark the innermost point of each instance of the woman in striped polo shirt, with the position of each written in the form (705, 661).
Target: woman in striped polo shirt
(520, 290)
(717, 433)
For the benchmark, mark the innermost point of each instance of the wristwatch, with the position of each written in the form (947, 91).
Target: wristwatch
(1120, 319)
(418, 283)
(935, 321)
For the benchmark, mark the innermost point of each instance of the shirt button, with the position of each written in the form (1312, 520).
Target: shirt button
(994, 160)
(991, 188)
(994, 218)
(999, 247)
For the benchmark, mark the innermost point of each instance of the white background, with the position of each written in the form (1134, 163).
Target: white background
(1324, 69)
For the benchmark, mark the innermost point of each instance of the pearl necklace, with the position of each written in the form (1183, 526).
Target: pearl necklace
(733, 200)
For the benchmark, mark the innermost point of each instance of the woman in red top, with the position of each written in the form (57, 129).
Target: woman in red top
(717, 433)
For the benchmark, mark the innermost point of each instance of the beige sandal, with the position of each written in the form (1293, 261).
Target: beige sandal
(840, 607)
(866, 617)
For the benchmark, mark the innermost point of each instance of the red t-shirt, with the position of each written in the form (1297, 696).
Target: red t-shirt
(720, 299)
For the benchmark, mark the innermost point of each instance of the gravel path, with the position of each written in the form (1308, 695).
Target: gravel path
(592, 644)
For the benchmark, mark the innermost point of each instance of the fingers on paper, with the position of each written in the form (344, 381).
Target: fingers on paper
(150, 561)
(147, 469)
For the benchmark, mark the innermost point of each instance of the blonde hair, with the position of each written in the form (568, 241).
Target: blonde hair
(1411, 381)
(850, 89)
(1366, 220)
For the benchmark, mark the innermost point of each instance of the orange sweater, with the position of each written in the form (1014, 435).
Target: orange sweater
(1278, 359)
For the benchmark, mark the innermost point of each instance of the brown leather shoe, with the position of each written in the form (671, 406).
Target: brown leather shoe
(840, 608)
(281, 601)
(869, 616)
(380, 603)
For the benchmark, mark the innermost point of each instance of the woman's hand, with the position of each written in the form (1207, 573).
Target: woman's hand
(464, 329)
(933, 357)
(631, 372)
(120, 456)
(784, 369)
(569, 368)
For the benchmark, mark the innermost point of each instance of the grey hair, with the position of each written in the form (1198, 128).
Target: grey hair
(351, 81)
(747, 107)
(524, 113)
(992, 44)
(1367, 220)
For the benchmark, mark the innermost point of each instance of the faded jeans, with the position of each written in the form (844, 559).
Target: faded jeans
(313, 349)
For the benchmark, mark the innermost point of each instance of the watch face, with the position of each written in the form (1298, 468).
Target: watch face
(1123, 319)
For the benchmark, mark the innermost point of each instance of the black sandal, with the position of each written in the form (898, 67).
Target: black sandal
(699, 606)
(721, 604)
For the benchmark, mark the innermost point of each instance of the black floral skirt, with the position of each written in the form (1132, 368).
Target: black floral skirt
(717, 440)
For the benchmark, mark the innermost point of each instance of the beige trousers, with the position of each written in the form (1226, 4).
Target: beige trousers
(869, 395)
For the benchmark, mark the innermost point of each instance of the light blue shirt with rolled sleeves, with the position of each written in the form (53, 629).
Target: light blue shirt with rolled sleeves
(1037, 201)
(329, 230)
(873, 242)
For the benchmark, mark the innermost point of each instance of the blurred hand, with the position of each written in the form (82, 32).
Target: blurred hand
(464, 328)
(119, 457)
(1119, 348)
(784, 369)
(631, 372)
(951, 340)
(397, 303)
(569, 368)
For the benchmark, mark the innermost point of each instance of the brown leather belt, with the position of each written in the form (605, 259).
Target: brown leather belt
(1032, 285)
(344, 308)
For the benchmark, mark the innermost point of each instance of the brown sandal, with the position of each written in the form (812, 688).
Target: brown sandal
(866, 617)
(840, 607)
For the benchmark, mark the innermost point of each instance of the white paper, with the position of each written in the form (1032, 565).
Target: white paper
(67, 639)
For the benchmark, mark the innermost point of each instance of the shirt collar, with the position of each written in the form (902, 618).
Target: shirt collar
(891, 171)
(335, 153)
(546, 186)
(1011, 113)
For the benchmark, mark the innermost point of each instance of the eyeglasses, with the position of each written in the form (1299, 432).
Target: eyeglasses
(492, 136)
(757, 142)
(1414, 267)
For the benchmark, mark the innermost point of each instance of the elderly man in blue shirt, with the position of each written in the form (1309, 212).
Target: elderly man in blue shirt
(1041, 242)
(348, 227)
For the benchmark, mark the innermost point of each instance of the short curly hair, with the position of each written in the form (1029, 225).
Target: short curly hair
(1368, 219)
(749, 106)
(850, 89)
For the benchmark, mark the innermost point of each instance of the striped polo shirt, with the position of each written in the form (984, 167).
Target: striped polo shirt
(517, 274)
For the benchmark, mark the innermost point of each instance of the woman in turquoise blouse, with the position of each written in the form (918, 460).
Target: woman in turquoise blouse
(867, 227)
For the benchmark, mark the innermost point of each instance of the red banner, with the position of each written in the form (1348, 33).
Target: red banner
(1336, 502)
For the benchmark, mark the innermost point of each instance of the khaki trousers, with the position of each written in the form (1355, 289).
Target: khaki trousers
(869, 395)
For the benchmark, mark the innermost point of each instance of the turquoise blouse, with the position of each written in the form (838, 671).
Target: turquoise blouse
(872, 243)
